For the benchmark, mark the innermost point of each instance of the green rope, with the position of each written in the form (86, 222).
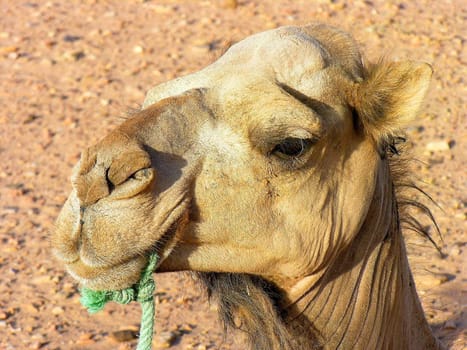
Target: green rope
(142, 292)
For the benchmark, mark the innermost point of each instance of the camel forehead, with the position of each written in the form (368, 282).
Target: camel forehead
(285, 55)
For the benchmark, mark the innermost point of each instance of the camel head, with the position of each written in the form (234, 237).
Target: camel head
(266, 162)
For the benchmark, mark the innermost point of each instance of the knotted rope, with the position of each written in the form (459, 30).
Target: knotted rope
(142, 292)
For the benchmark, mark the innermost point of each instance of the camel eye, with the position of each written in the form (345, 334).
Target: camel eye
(292, 147)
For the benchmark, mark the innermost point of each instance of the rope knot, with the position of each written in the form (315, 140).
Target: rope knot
(146, 291)
(124, 296)
(142, 292)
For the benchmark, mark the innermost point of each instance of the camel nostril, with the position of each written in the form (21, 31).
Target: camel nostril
(125, 165)
(103, 170)
(136, 183)
(133, 184)
(110, 185)
(142, 174)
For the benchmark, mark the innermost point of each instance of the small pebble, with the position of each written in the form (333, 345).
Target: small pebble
(8, 49)
(138, 49)
(438, 146)
(450, 324)
(124, 335)
(57, 310)
(229, 4)
(85, 339)
(165, 340)
(38, 345)
(74, 55)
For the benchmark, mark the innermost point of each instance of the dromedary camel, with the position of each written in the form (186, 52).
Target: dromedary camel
(273, 174)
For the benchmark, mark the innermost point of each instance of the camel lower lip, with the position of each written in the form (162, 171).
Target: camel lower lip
(104, 279)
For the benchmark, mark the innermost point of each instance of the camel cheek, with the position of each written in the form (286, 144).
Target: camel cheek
(335, 214)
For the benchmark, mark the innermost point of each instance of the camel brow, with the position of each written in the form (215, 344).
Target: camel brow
(317, 106)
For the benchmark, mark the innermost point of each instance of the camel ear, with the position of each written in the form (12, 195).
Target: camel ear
(389, 96)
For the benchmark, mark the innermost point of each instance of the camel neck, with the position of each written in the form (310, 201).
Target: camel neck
(367, 296)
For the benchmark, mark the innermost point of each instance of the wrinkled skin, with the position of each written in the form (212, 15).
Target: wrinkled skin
(265, 162)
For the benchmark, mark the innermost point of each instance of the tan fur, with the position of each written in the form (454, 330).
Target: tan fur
(267, 173)
(390, 96)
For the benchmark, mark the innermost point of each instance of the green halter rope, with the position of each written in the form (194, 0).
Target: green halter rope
(142, 292)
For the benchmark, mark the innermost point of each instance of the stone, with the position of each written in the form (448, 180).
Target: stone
(431, 279)
(74, 55)
(124, 335)
(450, 324)
(57, 310)
(38, 345)
(165, 340)
(138, 49)
(436, 146)
(5, 50)
(229, 4)
(85, 339)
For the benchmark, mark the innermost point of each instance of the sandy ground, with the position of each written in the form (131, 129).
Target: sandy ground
(70, 70)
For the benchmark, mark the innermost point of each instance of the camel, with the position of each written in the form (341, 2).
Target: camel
(274, 175)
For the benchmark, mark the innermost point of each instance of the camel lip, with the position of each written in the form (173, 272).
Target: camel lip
(100, 278)
(167, 242)
(125, 272)
(104, 278)
(63, 258)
